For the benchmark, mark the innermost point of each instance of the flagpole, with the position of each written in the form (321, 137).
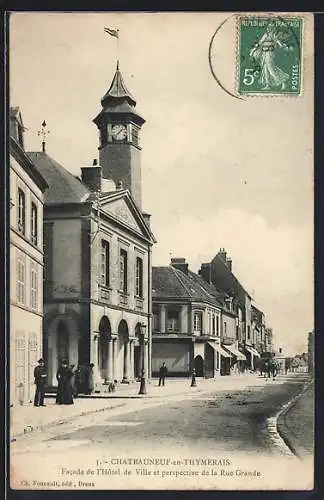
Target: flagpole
(117, 48)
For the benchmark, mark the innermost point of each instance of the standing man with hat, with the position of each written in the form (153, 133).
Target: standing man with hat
(40, 381)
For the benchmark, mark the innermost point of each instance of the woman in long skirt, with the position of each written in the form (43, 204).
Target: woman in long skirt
(64, 390)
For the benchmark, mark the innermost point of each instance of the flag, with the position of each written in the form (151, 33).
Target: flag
(110, 32)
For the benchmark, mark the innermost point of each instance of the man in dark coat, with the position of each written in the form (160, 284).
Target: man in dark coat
(40, 381)
(162, 373)
(64, 389)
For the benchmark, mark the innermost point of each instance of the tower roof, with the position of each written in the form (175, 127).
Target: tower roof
(118, 90)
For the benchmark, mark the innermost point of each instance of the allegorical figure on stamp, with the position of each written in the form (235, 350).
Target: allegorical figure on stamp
(264, 53)
(64, 376)
(40, 381)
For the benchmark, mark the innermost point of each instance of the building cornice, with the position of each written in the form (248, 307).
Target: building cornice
(20, 156)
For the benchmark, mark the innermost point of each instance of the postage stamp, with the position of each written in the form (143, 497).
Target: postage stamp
(269, 55)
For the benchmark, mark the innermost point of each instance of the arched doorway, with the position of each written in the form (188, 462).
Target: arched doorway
(123, 341)
(199, 366)
(104, 338)
(63, 342)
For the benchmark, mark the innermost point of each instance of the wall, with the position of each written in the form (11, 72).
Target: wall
(118, 239)
(66, 265)
(25, 319)
(25, 350)
(230, 334)
(176, 357)
(122, 162)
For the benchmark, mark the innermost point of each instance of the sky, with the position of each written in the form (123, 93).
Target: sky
(217, 171)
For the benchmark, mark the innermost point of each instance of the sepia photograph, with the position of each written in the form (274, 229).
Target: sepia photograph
(161, 288)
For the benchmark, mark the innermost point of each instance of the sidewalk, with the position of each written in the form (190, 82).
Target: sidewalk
(24, 419)
(296, 425)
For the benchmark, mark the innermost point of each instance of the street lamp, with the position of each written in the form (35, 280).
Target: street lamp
(142, 341)
(193, 378)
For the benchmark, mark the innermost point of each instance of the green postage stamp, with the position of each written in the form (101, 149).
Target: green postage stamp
(269, 55)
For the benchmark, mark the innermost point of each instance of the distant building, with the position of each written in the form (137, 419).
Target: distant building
(269, 340)
(299, 363)
(192, 328)
(98, 247)
(219, 273)
(311, 352)
(258, 329)
(27, 188)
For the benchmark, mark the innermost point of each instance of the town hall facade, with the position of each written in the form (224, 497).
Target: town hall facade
(97, 250)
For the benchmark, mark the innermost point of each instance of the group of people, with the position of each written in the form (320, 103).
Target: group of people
(70, 382)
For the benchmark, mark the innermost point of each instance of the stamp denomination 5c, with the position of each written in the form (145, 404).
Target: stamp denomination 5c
(269, 55)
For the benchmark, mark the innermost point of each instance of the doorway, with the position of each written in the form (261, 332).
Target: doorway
(199, 366)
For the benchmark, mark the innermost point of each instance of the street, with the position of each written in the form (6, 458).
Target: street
(224, 424)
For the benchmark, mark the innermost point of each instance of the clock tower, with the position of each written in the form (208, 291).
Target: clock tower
(119, 126)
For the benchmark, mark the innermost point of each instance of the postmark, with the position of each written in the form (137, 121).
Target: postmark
(269, 56)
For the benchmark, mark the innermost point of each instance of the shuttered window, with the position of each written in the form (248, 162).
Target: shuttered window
(20, 280)
(34, 287)
(20, 365)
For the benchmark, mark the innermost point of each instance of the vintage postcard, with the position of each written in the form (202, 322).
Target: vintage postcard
(161, 251)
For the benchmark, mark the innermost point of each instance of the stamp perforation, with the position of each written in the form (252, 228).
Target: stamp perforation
(301, 56)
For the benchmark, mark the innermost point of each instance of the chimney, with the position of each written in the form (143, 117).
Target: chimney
(180, 263)
(205, 272)
(222, 254)
(92, 176)
(229, 264)
(147, 218)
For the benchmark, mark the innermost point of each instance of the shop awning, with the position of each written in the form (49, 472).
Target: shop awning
(231, 348)
(218, 348)
(253, 351)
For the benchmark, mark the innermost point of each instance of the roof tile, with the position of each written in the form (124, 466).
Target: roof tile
(63, 186)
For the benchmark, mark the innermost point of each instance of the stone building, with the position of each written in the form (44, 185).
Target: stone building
(98, 242)
(27, 188)
(219, 273)
(269, 340)
(192, 328)
(258, 329)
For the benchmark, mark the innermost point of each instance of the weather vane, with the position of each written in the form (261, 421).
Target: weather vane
(43, 133)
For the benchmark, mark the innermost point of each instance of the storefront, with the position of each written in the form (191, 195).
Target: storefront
(238, 361)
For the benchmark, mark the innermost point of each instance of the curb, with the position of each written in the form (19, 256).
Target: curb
(30, 428)
(286, 408)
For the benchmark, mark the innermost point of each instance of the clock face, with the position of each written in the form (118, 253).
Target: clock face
(119, 132)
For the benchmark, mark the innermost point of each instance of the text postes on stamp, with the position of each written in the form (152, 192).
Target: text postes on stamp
(269, 55)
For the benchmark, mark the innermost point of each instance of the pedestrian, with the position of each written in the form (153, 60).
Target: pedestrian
(77, 382)
(89, 379)
(40, 381)
(64, 390)
(162, 373)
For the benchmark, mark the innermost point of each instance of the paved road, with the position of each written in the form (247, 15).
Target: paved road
(229, 426)
(234, 421)
(231, 421)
